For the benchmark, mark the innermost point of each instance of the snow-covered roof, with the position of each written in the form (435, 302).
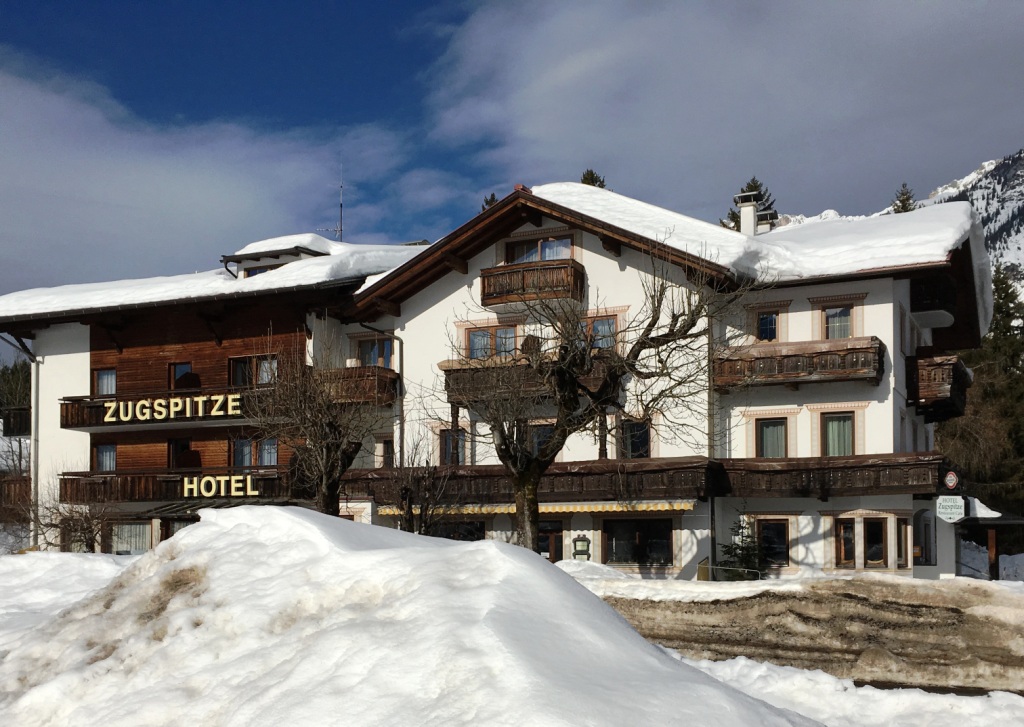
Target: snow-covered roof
(306, 241)
(828, 247)
(344, 262)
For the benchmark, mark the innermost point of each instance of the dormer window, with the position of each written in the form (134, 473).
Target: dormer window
(250, 272)
(531, 251)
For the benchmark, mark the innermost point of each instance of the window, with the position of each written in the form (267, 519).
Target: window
(601, 332)
(375, 352)
(259, 270)
(181, 376)
(915, 441)
(635, 440)
(539, 434)
(845, 540)
(492, 341)
(875, 543)
(771, 437)
(531, 251)
(180, 454)
(105, 457)
(902, 531)
(104, 382)
(466, 530)
(241, 452)
(453, 446)
(768, 325)
(246, 453)
(773, 540)
(640, 542)
(385, 452)
(266, 456)
(130, 538)
(838, 321)
(252, 369)
(837, 434)
(924, 538)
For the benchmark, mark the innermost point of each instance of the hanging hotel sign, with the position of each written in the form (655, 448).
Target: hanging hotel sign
(219, 486)
(950, 508)
(174, 407)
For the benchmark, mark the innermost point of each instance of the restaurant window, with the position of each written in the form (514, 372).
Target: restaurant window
(466, 530)
(105, 457)
(635, 439)
(773, 541)
(838, 321)
(638, 542)
(104, 382)
(770, 437)
(845, 541)
(837, 434)
(531, 251)
(452, 446)
(181, 376)
(902, 533)
(130, 538)
(768, 325)
(875, 543)
(375, 352)
(491, 341)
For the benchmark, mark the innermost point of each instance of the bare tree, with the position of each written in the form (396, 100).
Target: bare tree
(568, 375)
(319, 413)
(425, 495)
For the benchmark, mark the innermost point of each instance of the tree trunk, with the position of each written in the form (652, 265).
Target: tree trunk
(527, 514)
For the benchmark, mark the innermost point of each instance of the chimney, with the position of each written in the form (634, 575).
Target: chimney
(746, 203)
(766, 221)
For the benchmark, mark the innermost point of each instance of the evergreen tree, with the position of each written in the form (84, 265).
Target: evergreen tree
(904, 200)
(489, 202)
(741, 558)
(592, 178)
(732, 217)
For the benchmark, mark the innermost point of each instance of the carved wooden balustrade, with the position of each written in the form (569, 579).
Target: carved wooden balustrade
(937, 386)
(271, 483)
(533, 281)
(362, 384)
(804, 362)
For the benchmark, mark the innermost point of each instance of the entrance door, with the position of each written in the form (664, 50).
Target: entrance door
(550, 539)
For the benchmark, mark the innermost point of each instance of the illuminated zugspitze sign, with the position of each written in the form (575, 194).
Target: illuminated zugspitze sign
(174, 407)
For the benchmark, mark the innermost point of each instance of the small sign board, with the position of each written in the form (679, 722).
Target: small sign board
(950, 508)
(951, 480)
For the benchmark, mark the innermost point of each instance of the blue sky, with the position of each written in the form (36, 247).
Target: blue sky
(148, 138)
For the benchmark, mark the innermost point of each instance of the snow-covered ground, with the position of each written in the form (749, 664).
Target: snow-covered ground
(974, 563)
(283, 616)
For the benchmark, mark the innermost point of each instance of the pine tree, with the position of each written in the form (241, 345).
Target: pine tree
(489, 202)
(732, 217)
(904, 200)
(741, 558)
(592, 178)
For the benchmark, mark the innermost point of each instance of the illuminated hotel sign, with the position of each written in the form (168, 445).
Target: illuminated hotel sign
(175, 407)
(219, 486)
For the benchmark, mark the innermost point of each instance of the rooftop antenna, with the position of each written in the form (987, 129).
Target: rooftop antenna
(341, 204)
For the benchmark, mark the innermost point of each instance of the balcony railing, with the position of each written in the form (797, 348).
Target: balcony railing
(937, 386)
(199, 485)
(533, 281)
(475, 380)
(362, 385)
(208, 405)
(805, 362)
(824, 477)
(15, 497)
(17, 421)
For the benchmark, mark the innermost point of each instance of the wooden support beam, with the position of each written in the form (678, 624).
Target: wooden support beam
(387, 306)
(456, 263)
(993, 556)
(612, 245)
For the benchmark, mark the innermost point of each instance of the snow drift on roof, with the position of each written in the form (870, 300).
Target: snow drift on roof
(307, 240)
(281, 616)
(346, 262)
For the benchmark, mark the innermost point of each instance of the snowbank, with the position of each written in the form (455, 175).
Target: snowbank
(271, 616)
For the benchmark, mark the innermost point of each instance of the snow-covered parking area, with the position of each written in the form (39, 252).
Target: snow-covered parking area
(282, 616)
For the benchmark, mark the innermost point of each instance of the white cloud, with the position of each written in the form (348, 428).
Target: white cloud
(90, 192)
(679, 103)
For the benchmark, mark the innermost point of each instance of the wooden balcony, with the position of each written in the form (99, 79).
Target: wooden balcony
(15, 498)
(533, 281)
(467, 381)
(271, 483)
(804, 362)
(17, 421)
(937, 386)
(681, 478)
(363, 385)
(824, 477)
(212, 406)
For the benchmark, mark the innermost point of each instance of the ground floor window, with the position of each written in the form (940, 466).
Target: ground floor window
(460, 530)
(639, 542)
(550, 539)
(864, 541)
(876, 550)
(902, 531)
(845, 540)
(924, 538)
(130, 538)
(773, 541)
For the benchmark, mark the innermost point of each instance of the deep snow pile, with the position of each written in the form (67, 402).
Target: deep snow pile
(974, 563)
(282, 616)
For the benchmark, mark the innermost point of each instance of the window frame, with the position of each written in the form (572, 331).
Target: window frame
(444, 447)
(609, 341)
(253, 364)
(492, 331)
(759, 524)
(776, 324)
(537, 242)
(758, 439)
(625, 439)
(642, 530)
(902, 542)
(173, 377)
(838, 524)
(819, 305)
(96, 375)
(386, 356)
(257, 448)
(823, 431)
(97, 449)
(884, 562)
